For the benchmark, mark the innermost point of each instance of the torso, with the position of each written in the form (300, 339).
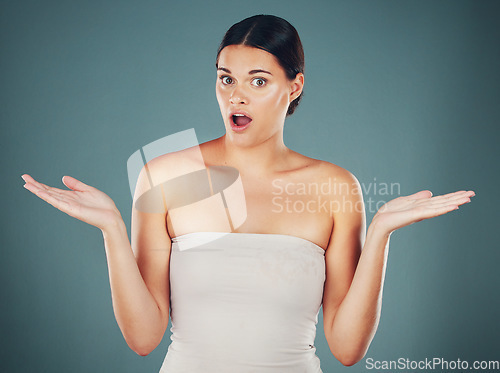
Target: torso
(294, 201)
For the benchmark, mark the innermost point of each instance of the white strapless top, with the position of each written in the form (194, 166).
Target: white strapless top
(244, 302)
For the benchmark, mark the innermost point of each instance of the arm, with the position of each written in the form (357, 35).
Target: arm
(353, 313)
(352, 300)
(139, 279)
(139, 283)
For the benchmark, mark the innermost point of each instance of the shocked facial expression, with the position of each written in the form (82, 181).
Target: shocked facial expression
(253, 92)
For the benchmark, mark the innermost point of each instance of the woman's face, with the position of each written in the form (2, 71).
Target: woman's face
(250, 81)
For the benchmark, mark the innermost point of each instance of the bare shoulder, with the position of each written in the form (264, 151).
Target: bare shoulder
(174, 164)
(343, 193)
(345, 180)
(321, 171)
(164, 168)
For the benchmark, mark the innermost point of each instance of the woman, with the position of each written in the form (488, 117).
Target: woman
(245, 298)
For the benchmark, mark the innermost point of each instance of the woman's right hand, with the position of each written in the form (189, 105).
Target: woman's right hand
(83, 201)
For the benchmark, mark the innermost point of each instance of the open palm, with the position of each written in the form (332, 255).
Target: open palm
(406, 210)
(82, 201)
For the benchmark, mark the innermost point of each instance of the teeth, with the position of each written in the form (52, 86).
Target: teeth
(239, 115)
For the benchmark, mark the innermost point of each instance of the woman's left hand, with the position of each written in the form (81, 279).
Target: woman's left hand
(406, 210)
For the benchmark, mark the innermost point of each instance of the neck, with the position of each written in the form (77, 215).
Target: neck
(263, 158)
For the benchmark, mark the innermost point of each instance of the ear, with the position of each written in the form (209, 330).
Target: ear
(296, 86)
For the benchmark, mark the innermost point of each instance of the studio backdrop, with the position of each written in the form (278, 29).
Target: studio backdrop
(403, 94)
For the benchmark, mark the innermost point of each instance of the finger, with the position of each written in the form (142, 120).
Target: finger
(446, 198)
(31, 187)
(442, 210)
(36, 186)
(53, 200)
(26, 177)
(29, 179)
(445, 205)
(459, 199)
(455, 194)
(420, 195)
(75, 184)
(431, 212)
(442, 207)
(50, 193)
(41, 186)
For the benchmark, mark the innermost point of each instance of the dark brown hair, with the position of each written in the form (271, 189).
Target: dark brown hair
(274, 35)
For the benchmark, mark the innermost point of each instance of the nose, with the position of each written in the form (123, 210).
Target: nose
(238, 97)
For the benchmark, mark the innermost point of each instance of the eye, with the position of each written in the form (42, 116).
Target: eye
(226, 79)
(259, 82)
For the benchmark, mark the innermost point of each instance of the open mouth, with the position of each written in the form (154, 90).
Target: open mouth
(240, 120)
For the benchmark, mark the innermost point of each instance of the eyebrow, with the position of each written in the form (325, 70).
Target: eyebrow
(249, 73)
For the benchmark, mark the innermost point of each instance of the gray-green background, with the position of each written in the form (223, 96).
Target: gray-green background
(396, 92)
